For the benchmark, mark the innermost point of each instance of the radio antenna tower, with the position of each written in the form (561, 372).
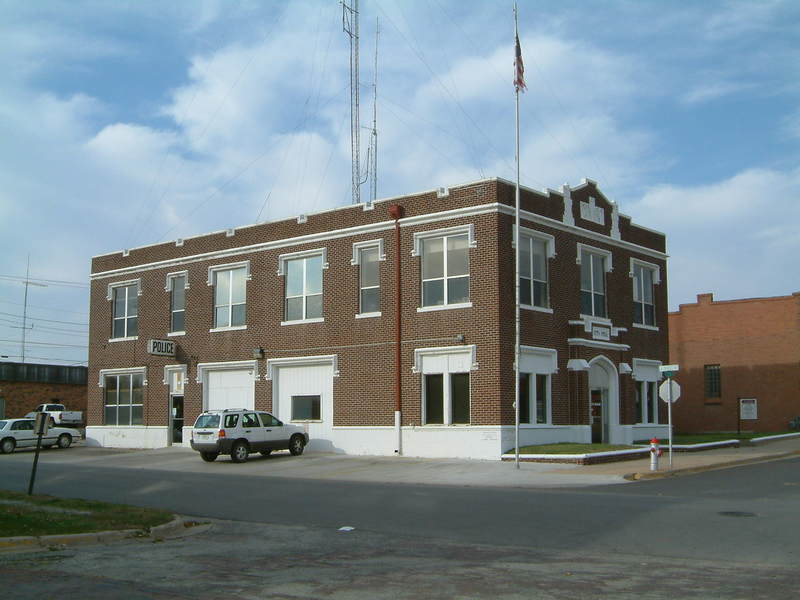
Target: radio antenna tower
(374, 139)
(350, 27)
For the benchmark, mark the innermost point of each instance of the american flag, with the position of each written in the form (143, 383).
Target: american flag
(519, 79)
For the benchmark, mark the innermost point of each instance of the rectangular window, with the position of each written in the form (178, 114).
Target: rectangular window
(230, 294)
(593, 284)
(713, 381)
(124, 399)
(533, 275)
(536, 397)
(304, 288)
(369, 280)
(445, 270)
(126, 311)
(524, 397)
(446, 399)
(643, 307)
(306, 408)
(178, 304)
(434, 399)
(646, 402)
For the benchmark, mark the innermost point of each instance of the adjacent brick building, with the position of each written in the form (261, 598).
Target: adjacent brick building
(24, 386)
(737, 349)
(298, 317)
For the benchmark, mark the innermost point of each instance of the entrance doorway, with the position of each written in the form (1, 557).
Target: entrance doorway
(176, 419)
(599, 415)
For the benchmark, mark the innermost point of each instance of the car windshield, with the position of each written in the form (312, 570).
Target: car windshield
(207, 422)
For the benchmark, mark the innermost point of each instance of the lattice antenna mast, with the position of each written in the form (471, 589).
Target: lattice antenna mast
(350, 27)
(374, 139)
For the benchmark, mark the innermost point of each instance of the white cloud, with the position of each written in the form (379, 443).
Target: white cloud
(712, 90)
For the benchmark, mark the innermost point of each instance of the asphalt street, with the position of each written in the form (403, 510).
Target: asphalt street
(731, 531)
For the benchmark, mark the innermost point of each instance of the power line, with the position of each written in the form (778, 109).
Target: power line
(45, 344)
(56, 282)
(50, 308)
(47, 320)
(72, 362)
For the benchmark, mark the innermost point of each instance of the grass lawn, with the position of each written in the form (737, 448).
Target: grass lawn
(568, 448)
(702, 438)
(21, 514)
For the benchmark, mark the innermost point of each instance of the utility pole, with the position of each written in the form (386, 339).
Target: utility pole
(27, 282)
(350, 27)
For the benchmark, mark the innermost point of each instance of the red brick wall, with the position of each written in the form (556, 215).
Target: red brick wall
(757, 345)
(364, 392)
(21, 397)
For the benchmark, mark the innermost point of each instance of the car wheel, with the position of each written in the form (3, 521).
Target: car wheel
(64, 440)
(296, 445)
(209, 456)
(7, 445)
(239, 452)
(266, 452)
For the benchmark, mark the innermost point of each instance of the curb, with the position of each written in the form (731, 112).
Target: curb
(53, 542)
(710, 467)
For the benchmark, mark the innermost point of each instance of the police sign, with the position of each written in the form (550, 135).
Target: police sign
(161, 347)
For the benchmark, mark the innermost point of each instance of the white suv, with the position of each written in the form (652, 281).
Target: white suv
(238, 432)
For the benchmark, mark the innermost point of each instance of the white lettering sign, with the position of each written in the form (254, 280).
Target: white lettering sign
(748, 409)
(601, 333)
(161, 347)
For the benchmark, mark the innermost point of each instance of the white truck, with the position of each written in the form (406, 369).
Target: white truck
(59, 415)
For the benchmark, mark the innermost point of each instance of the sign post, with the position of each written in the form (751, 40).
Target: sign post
(669, 392)
(40, 426)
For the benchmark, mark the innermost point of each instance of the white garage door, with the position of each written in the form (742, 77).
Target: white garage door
(230, 389)
(305, 397)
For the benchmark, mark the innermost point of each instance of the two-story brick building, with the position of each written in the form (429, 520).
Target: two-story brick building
(389, 327)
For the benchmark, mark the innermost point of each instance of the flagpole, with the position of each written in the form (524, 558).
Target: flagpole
(516, 258)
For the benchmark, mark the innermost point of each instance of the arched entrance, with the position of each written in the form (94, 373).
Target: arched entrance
(603, 399)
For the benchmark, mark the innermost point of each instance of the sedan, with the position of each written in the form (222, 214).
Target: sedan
(20, 433)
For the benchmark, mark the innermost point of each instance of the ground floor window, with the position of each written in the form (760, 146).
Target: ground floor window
(647, 402)
(306, 408)
(446, 399)
(124, 399)
(534, 398)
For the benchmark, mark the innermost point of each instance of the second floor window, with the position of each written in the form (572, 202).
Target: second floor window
(230, 305)
(178, 304)
(593, 284)
(126, 311)
(304, 288)
(369, 280)
(643, 307)
(445, 270)
(533, 273)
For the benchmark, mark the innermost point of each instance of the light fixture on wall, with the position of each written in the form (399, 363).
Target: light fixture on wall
(460, 338)
(258, 353)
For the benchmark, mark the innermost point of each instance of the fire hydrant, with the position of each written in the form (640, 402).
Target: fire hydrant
(655, 452)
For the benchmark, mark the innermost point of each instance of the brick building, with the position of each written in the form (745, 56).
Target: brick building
(24, 386)
(736, 349)
(299, 317)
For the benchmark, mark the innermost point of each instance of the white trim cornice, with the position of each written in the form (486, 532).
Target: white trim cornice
(324, 236)
(302, 361)
(596, 344)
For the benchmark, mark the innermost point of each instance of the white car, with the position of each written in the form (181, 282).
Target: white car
(19, 433)
(239, 432)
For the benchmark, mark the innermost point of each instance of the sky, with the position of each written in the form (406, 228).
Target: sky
(128, 123)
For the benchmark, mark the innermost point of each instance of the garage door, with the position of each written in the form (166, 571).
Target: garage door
(230, 389)
(305, 397)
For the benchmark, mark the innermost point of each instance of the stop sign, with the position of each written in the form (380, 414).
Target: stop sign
(669, 388)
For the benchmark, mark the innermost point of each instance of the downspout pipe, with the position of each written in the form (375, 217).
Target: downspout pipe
(396, 212)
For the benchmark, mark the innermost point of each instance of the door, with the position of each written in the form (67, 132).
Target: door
(276, 434)
(305, 397)
(176, 413)
(599, 415)
(230, 388)
(256, 434)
